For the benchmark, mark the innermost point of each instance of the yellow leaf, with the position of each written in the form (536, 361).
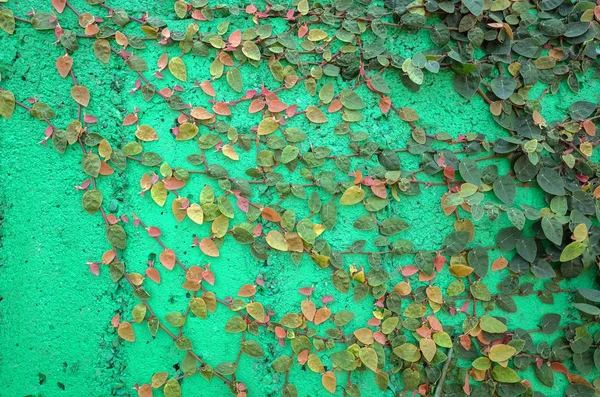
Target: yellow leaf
(177, 69)
(276, 241)
(329, 381)
(177, 209)
(126, 331)
(195, 213)
(315, 115)
(146, 133)
(461, 270)
(364, 335)
(499, 353)
(428, 348)
(317, 35)
(159, 193)
(229, 152)
(352, 195)
(104, 149)
(257, 311)
(267, 126)
(187, 131)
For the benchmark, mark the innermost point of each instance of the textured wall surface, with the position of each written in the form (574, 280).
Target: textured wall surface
(55, 332)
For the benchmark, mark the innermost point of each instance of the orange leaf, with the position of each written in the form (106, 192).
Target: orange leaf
(81, 95)
(201, 114)
(256, 106)
(235, 38)
(322, 315)
(126, 332)
(208, 247)
(329, 381)
(59, 5)
(499, 264)
(153, 274)
(222, 109)
(308, 309)
(270, 215)
(105, 169)
(167, 258)
(277, 106)
(208, 88)
(130, 119)
(247, 290)
(145, 391)
(64, 64)
(589, 127)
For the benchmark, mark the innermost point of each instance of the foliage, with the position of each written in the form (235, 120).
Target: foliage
(498, 50)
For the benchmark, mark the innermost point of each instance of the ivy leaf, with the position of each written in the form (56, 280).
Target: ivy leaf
(251, 50)
(466, 84)
(505, 189)
(234, 79)
(469, 171)
(7, 104)
(503, 87)
(505, 374)
(475, 7)
(352, 195)
(177, 68)
(492, 325)
(553, 230)
(92, 200)
(551, 182)
(91, 164)
(572, 251)
(116, 236)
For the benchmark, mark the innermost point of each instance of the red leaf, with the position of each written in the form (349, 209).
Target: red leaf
(153, 231)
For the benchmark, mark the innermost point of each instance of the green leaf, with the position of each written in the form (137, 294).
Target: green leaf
(116, 236)
(7, 104)
(408, 352)
(92, 200)
(351, 100)
(252, 348)
(475, 7)
(505, 189)
(234, 79)
(505, 374)
(551, 182)
(492, 325)
(572, 251)
(503, 87)
(91, 164)
(550, 323)
(553, 230)
(469, 171)
(251, 50)
(172, 388)
(587, 308)
(7, 21)
(282, 364)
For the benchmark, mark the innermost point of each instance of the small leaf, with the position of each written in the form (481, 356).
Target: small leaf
(177, 68)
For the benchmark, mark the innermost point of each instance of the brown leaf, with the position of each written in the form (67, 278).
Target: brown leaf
(167, 258)
(208, 247)
(81, 95)
(64, 64)
(329, 381)
(126, 331)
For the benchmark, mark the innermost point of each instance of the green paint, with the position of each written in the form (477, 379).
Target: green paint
(55, 315)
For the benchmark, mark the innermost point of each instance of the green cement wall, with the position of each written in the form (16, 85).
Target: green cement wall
(55, 333)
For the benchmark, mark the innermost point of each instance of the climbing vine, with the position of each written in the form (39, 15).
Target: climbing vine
(340, 58)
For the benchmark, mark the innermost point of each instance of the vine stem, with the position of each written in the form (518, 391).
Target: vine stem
(440, 384)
